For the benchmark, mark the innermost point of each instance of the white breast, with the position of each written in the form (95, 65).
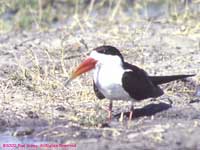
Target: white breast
(108, 74)
(108, 79)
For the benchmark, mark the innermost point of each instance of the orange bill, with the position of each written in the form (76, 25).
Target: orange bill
(85, 66)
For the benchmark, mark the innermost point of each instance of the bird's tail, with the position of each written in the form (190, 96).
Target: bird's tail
(165, 79)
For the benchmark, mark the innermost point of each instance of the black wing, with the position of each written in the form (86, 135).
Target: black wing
(138, 84)
(97, 92)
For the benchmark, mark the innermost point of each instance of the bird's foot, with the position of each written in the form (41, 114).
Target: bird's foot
(121, 117)
(109, 115)
(110, 110)
(131, 113)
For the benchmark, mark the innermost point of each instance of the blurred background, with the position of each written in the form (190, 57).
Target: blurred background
(44, 14)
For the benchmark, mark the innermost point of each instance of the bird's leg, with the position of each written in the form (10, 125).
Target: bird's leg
(110, 110)
(121, 117)
(131, 114)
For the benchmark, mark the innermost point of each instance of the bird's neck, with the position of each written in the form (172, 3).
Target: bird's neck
(108, 74)
(108, 80)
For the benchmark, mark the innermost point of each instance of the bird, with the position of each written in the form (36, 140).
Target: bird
(116, 79)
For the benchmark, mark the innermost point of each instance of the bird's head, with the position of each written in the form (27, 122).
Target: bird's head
(103, 55)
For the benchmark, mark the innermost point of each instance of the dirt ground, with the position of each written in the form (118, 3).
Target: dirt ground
(36, 107)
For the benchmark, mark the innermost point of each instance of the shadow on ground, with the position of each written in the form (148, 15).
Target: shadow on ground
(148, 110)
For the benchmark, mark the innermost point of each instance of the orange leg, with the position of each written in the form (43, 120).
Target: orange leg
(110, 110)
(131, 114)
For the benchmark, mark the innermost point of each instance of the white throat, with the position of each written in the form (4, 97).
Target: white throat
(108, 75)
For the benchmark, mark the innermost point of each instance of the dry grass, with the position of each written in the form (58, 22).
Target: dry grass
(41, 14)
(43, 61)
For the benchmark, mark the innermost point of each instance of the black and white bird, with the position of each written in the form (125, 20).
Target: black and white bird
(115, 79)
